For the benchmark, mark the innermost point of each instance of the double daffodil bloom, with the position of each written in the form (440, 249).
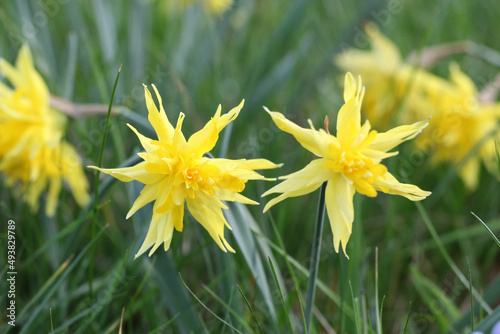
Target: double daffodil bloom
(459, 119)
(459, 125)
(32, 151)
(349, 162)
(175, 172)
(391, 83)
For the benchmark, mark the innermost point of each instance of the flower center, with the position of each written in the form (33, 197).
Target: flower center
(195, 175)
(352, 162)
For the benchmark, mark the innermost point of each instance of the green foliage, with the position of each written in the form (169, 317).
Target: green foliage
(273, 53)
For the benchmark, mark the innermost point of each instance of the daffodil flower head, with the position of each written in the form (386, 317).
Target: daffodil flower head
(459, 126)
(348, 162)
(32, 151)
(176, 173)
(392, 84)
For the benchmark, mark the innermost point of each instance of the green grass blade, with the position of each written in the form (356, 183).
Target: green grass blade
(442, 307)
(315, 253)
(283, 303)
(97, 308)
(407, 319)
(448, 258)
(235, 314)
(488, 229)
(98, 173)
(487, 323)
(207, 308)
(33, 314)
(355, 306)
(250, 308)
(378, 315)
(239, 217)
(174, 295)
(51, 322)
(471, 297)
(321, 285)
(290, 269)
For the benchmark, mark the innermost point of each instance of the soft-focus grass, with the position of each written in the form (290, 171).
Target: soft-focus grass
(273, 53)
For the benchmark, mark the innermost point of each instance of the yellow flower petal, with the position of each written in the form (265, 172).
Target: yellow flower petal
(388, 184)
(339, 206)
(158, 119)
(312, 140)
(212, 220)
(392, 138)
(148, 194)
(299, 183)
(204, 140)
(349, 116)
(224, 120)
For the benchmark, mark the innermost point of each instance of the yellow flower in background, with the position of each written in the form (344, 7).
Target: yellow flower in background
(459, 123)
(32, 151)
(459, 120)
(349, 162)
(390, 82)
(211, 6)
(175, 171)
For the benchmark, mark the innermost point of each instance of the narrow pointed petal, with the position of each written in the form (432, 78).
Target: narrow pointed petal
(349, 116)
(315, 141)
(127, 174)
(224, 120)
(158, 120)
(204, 140)
(54, 190)
(388, 184)
(299, 183)
(178, 217)
(151, 236)
(148, 194)
(212, 220)
(339, 206)
(145, 141)
(387, 140)
(252, 164)
(232, 196)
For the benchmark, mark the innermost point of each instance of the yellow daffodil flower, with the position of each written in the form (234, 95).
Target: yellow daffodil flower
(459, 123)
(349, 162)
(391, 83)
(32, 151)
(459, 120)
(175, 171)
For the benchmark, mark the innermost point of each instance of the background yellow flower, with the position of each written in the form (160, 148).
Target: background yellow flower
(32, 151)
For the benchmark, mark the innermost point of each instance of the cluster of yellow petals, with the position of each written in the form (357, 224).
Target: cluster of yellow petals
(32, 151)
(348, 162)
(175, 172)
(459, 121)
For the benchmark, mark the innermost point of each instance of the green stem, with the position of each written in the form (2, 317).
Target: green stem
(96, 193)
(313, 269)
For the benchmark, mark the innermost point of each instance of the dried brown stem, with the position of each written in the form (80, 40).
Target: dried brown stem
(77, 110)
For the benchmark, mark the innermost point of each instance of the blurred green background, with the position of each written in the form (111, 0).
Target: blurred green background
(271, 53)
